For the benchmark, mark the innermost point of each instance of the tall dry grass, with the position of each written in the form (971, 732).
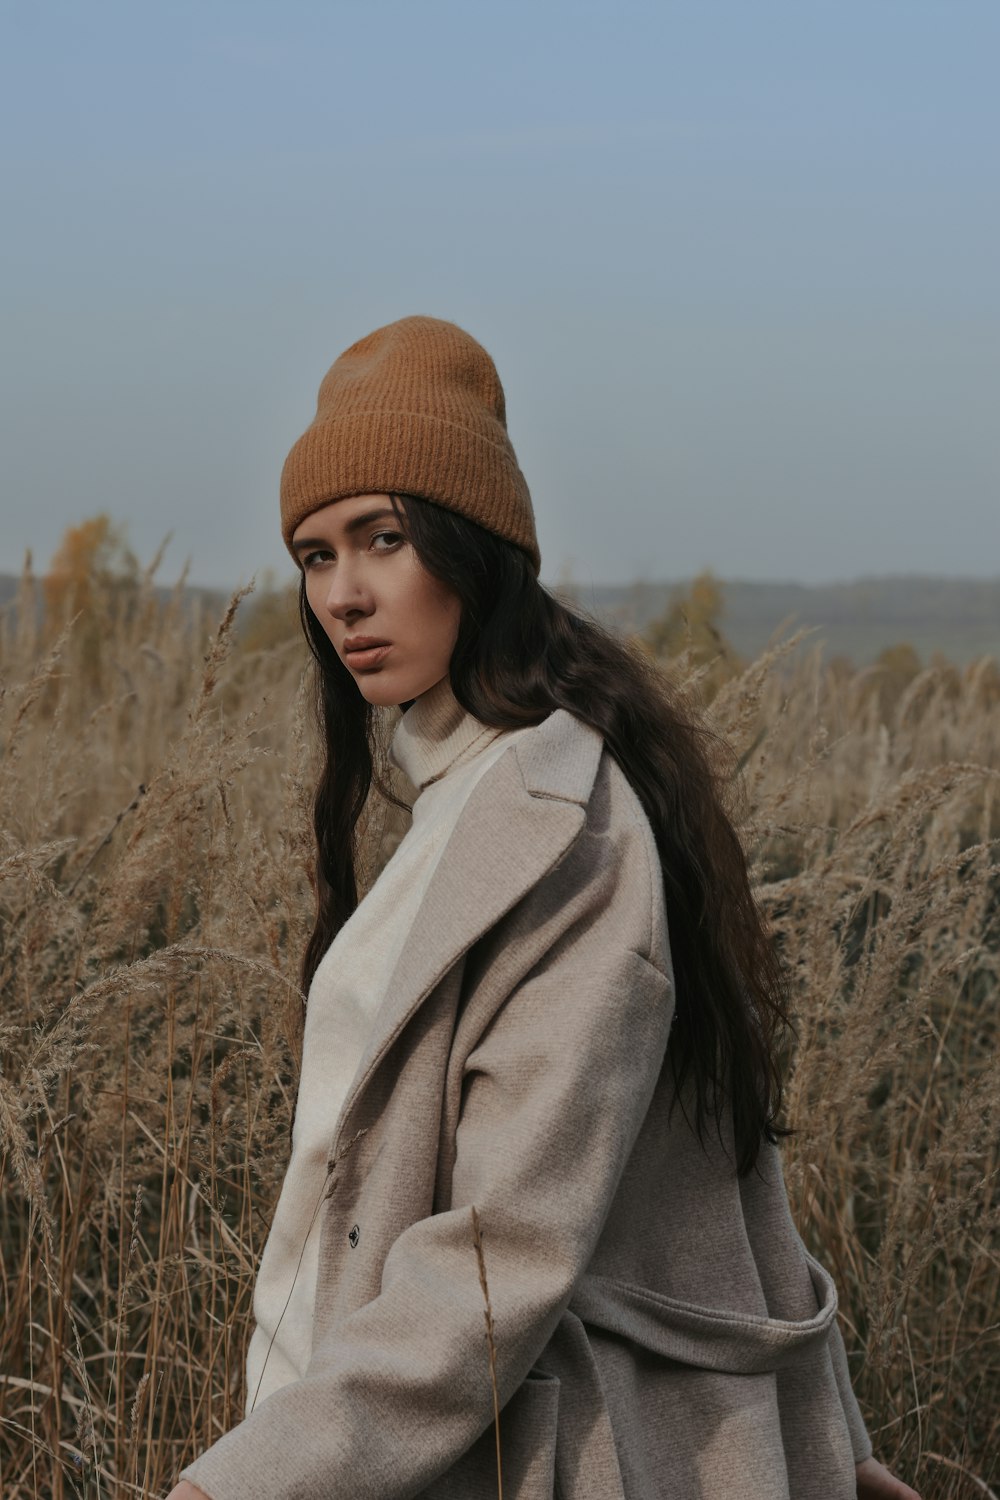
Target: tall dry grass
(155, 898)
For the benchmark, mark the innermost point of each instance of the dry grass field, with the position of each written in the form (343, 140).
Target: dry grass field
(155, 898)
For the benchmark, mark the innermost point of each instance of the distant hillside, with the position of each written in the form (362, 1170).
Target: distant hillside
(958, 617)
(211, 601)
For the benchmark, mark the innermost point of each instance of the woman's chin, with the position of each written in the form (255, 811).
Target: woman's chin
(380, 693)
(384, 689)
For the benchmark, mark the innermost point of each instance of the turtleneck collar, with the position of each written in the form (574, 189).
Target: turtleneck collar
(436, 733)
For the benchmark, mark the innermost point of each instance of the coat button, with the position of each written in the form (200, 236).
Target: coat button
(354, 1236)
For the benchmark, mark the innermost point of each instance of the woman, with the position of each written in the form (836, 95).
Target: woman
(502, 1025)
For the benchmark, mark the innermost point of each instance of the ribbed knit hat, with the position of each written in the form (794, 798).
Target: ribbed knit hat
(415, 407)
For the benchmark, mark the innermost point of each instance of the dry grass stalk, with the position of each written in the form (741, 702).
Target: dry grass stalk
(477, 1240)
(151, 1026)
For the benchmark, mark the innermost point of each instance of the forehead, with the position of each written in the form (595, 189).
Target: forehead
(333, 519)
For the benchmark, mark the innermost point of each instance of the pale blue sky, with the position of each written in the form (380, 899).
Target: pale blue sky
(735, 260)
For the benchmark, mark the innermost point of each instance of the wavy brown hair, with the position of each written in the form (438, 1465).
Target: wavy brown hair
(520, 653)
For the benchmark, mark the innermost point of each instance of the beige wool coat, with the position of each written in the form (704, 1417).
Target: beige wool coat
(660, 1330)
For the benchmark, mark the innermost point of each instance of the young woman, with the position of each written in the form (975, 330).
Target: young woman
(503, 1025)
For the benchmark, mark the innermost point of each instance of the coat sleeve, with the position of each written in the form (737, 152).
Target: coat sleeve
(555, 1092)
(861, 1442)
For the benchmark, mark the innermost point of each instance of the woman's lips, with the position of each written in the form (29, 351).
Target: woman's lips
(367, 656)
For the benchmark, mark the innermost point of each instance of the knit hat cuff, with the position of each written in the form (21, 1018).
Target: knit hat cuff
(385, 452)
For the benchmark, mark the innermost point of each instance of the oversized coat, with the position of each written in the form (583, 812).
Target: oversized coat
(659, 1328)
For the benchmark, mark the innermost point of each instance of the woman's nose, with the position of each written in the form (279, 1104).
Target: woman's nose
(347, 594)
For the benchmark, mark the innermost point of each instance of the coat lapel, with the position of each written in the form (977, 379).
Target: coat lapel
(518, 822)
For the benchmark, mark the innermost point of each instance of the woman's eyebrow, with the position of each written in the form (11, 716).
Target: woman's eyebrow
(350, 527)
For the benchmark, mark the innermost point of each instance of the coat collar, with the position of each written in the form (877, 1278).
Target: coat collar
(518, 822)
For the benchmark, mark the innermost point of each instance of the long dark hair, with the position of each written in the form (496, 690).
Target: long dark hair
(520, 653)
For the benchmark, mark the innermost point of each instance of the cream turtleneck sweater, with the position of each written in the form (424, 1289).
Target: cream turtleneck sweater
(444, 751)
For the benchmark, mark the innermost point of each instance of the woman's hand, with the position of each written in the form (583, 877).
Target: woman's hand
(874, 1483)
(182, 1490)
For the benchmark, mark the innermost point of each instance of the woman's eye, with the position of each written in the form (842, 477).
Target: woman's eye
(320, 554)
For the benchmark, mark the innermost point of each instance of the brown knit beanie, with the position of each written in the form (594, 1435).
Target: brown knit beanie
(415, 407)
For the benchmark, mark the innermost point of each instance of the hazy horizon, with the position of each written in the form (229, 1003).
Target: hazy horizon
(736, 266)
(267, 576)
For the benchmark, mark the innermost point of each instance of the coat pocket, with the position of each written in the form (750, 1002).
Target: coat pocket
(528, 1427)
(707, 1337)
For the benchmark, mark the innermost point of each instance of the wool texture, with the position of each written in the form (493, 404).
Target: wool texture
(416, 408)
(443, 751)
(660, 1328)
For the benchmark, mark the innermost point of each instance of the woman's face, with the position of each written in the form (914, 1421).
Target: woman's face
(364, 579)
